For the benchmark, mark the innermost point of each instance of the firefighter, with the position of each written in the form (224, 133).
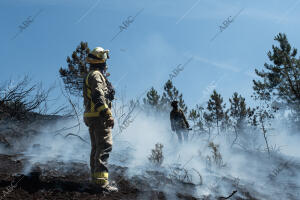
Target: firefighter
(98, 94)
(179, 124)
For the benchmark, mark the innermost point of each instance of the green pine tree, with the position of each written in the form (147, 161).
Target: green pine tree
(152, 100)
(280, 80)
(215, 109)
(197, 117)
(208, 121)
(77, 69)
(238, 112)
(170, 94)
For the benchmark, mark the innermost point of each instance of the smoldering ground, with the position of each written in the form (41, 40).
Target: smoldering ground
(204, 167)
(250, 163)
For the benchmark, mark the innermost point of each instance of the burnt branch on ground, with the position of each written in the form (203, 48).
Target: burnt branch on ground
(231, 195)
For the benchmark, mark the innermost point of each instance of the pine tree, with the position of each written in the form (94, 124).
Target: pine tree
(263, 116)
(197, 117)
(239, 115)
(170, 94)
(161, 103)
(77, 69)
(226, 122)
(208, 120)
(238, 112)
(152, 100)
(215, 109)
(280, 80)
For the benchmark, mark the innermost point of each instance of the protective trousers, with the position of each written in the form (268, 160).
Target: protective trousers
(101, 146)
(182, 133)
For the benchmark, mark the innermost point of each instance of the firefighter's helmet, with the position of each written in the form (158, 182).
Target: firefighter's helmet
(98, 55)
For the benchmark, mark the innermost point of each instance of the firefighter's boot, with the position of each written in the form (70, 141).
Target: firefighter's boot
(111, 188)
(102, 180)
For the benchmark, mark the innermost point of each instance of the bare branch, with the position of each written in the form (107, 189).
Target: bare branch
(231, 195)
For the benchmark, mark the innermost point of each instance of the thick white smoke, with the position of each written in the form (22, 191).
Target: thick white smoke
(250, 169)
(53, 145)
(238, 169)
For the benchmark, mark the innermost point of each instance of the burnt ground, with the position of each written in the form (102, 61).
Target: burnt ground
(54, 180)
(52, 184)
(59, 180)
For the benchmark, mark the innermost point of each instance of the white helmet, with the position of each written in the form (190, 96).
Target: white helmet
(98, 55)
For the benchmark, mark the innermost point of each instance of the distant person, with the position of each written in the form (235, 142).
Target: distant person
(98, 94)
(179, 124)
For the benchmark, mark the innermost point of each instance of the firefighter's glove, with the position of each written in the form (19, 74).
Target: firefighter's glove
(110, 122)
(108, 119)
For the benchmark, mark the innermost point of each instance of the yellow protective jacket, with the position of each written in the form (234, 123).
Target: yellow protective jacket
(95, 91)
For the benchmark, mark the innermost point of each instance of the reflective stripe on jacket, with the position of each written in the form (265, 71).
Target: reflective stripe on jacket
(94, 93)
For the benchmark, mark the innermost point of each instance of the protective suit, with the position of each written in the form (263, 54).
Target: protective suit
(98, 94)
(179, 124)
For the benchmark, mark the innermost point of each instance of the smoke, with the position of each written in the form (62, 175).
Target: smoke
(287, 141)
(247, 167)
(203, 167)
(53, 145)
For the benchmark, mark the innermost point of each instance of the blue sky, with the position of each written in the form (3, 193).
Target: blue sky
(165, 34)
